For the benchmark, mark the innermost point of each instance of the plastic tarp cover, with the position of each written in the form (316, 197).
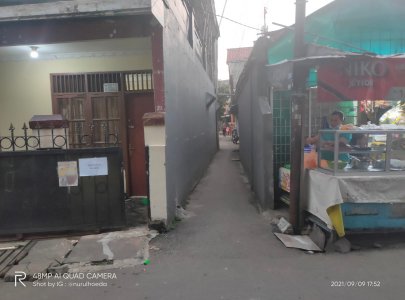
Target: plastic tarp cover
(352, 26)
(326, 190)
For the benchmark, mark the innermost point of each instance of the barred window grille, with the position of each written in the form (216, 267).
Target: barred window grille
(69, 83)
(133, 81)
(140, 81)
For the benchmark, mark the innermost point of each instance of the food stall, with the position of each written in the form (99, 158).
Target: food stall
(359, 185)
(355, 187)
(362, 186)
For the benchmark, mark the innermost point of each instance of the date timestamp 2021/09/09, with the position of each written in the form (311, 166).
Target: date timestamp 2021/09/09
(356, 283)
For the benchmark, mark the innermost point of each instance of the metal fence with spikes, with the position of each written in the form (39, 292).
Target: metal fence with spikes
(57, 138)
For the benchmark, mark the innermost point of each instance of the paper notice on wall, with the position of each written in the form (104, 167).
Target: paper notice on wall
(67, 173)
(96, 166)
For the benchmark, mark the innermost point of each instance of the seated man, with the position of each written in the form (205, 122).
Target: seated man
(328, 139)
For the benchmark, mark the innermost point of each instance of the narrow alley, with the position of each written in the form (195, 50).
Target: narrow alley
(225, 249)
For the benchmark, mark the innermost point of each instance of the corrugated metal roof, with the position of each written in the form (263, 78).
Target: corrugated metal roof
(238, 54)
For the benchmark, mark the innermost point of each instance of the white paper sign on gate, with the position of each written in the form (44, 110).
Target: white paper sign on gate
(97, 166)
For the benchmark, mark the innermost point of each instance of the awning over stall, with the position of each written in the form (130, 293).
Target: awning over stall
(347, 77)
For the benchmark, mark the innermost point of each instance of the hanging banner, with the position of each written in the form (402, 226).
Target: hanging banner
(362, 78)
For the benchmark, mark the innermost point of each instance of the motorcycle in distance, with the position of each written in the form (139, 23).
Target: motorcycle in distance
(235, 136)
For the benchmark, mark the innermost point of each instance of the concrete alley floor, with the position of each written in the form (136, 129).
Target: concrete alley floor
(226, 250)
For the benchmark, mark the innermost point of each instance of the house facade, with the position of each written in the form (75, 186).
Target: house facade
(104, 66)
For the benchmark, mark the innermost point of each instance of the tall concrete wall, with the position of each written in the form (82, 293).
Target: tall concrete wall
(255, 128)
(235, 69)
(245, 117)
(190, 114)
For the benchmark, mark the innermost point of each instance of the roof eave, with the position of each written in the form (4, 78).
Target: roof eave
(74, 9)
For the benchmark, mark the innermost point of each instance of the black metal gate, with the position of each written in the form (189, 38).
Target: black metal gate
(32, 200)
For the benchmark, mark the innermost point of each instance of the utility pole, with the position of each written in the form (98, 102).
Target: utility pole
(297, 104)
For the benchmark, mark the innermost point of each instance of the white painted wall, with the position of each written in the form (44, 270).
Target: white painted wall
(155, 138)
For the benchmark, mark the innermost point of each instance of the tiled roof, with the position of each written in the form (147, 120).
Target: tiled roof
(238, 54)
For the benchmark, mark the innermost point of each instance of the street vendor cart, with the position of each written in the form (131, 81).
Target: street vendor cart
(360, 187)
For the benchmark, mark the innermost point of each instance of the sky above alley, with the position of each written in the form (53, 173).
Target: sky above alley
(251, 13)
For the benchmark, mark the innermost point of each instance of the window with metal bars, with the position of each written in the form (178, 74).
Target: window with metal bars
(139, 81)
(132, 81)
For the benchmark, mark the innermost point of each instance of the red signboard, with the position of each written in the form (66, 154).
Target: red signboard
(362, 78)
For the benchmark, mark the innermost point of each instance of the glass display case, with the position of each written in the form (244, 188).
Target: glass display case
(365, 152)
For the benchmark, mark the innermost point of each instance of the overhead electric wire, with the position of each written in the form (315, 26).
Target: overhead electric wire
(239, 23)
(222, 15)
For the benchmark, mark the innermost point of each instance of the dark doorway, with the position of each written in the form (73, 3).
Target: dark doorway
(136, 106)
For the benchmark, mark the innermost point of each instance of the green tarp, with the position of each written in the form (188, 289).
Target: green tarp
(353, 26)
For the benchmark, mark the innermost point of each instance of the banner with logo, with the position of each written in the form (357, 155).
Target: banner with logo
(362, 78)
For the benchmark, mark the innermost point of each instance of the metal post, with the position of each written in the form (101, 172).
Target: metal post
(298, 97)
(37, 127)
(12, 136)
(66, 138)
(25, 128)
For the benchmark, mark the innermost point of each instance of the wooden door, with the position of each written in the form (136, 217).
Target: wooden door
(72, 108)
(105, 119)
(93, 119)
(136, 106)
